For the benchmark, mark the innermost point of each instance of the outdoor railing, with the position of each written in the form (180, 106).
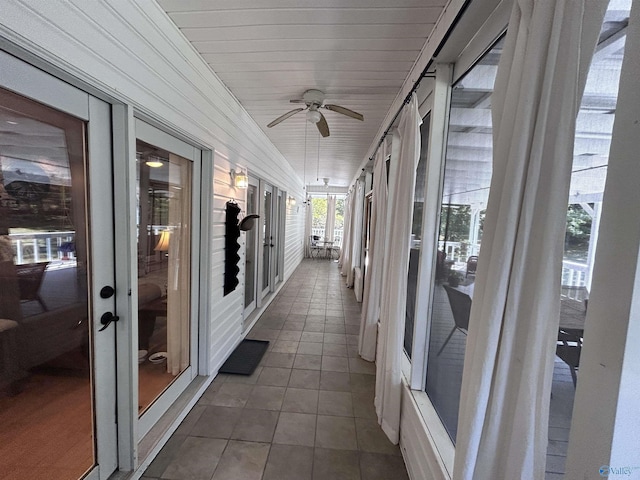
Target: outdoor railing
(34, 247)
(337, 235)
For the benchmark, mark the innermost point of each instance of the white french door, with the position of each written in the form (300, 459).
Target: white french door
(251, 253)
(267, 239)
(57, 275)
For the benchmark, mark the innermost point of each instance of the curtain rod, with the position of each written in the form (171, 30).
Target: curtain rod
(425, 74)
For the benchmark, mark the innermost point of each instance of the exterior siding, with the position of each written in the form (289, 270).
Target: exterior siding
(130, 52)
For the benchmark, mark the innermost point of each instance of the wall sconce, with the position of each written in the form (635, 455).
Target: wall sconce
(239, 179)
(292, 201)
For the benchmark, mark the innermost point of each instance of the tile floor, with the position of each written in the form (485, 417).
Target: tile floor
(305, 414)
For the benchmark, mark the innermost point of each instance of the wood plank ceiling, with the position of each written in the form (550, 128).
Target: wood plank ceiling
(268, 52)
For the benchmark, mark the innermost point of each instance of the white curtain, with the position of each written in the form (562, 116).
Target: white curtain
(396, 265)
(178, 286)
(373, 275)
(344, 262)
(504, 405)
(331, 218)
(356, 231)
(308, 220)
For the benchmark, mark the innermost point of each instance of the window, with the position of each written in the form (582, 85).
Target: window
(590, 159)
(467, 177)
(416, 231)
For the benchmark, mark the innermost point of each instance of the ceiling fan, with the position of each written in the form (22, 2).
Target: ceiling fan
(314, 99)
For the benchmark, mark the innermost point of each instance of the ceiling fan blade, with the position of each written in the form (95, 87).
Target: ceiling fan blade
(282, 118)
(322, 125)
(345, 111)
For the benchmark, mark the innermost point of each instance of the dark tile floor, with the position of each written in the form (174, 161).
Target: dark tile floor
(305, 414)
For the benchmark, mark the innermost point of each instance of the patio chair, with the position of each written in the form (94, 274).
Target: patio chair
(472, 265)
(314, 246)
(461, 307)
(568, 349)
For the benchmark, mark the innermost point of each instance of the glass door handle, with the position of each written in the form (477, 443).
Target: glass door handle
(106, 320)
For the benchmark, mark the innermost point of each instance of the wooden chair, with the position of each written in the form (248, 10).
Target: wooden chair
(461, 307)
(472, 265)
(568, 349)
(30, 276)
(314, 246)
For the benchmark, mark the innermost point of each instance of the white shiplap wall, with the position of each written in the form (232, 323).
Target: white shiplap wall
(127, 51)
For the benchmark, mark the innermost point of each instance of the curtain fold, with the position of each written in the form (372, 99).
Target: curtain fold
(504, 405)
(178, 286)
(344, 262)
(373, 274)
(308, 220)
(396, 265)
(356, 231)
(330, 225)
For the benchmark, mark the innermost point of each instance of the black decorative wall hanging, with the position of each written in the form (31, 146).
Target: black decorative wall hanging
(231, 248)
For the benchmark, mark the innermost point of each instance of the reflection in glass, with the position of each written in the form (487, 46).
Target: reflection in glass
(589, 170)
(266, 240)
(416, 232)
(46, 410)
(467, 177)
(250, 249)
(164, 256)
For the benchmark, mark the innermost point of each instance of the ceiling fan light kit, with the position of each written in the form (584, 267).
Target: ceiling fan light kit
(314, 100)
(313, 116)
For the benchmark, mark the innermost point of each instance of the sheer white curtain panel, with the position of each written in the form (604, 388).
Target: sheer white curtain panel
(178, 287)
(396, 265)
(506, 387)
(373, 274)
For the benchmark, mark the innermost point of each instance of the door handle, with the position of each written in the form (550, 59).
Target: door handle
(106, 320)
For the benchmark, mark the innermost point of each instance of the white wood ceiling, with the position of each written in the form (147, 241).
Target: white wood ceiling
(267, 52)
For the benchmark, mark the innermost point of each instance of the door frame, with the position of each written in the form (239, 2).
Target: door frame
(266, 289)
(248, 308)
(48, 90)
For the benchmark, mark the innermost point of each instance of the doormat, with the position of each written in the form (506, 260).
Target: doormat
(245, 358)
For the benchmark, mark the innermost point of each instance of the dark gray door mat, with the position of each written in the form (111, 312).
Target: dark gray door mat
(245, 358)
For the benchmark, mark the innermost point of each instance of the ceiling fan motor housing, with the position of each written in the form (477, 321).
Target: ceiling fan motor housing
(313, 97)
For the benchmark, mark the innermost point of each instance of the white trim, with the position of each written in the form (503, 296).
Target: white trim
(438, 128)
(20, 77)
(124, 148)
(484, 38)
(424, 442)
(205, 262)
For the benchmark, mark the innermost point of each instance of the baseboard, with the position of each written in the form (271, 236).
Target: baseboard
(427, 449)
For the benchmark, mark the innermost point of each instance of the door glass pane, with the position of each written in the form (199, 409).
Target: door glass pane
(46, 411)
(250, 249)
(164, 258)
(266, 237)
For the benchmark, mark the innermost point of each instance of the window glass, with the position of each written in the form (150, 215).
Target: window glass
(164, 257)
(416, 240)
(467, 177)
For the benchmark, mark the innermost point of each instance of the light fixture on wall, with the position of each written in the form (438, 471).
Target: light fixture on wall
(239, 179)
(291, 201)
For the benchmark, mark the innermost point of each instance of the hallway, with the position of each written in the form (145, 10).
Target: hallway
(307, 411)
